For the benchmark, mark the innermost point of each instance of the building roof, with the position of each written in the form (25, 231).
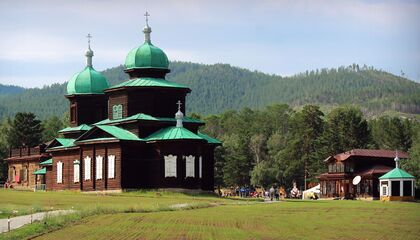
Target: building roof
(119, 133)
(65, 142)
(374, 170)
(88, 81)
(377, 153)
(82, 127)
(173, 133)
(397, 173)
(209, 139)
(145, 117)
(41, 171)
(47, 162)
(146, 56)
(149, 82)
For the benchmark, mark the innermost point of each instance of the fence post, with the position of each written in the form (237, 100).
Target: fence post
(8, 223)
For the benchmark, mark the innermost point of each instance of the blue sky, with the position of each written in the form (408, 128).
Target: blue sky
(43, 42)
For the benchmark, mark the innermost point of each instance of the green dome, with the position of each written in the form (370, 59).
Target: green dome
(146, 56)
(88, 81)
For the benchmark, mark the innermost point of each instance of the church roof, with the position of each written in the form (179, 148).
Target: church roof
(374, 153)
(119, 133)
(82, 127)
(46, 162)
(397, 173)
(59, 143)
(146, 117)
(88, 81)
(149, 82)
(146, 56)
(209, 139)
(173, 133)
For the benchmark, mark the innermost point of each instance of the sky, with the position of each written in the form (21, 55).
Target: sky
(43, 42)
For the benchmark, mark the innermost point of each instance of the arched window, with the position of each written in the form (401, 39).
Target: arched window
(59, 172)
(99, 163)
(87, 168)
(170, 166)
(190, 166)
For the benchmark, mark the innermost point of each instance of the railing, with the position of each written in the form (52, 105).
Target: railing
(25, 151)
(40, 187)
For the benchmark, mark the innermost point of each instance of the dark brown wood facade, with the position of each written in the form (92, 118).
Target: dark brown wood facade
(343, 167)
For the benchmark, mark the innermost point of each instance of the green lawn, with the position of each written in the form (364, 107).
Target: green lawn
(284, 220)
(145, 215)
(22, 202)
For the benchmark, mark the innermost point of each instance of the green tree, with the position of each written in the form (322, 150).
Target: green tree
(26, 130)
(51, 126)
(5, 126)
(346, 129)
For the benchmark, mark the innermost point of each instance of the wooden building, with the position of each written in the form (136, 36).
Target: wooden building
(131, 135)
(369, 164)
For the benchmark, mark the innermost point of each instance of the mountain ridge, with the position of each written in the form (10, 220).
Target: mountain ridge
(220, 87)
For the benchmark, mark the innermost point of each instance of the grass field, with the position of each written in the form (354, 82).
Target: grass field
(218, 219)
(23, 202)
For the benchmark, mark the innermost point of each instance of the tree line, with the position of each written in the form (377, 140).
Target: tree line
(262, 147)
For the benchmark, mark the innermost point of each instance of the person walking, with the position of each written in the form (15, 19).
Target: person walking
(272, 190)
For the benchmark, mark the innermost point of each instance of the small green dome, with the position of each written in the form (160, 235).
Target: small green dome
(88, 81)
(146, 56)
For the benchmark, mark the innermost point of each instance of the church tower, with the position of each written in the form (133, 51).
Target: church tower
(85, 91)
(147, 91)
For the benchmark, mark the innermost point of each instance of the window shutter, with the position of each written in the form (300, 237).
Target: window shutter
(200, 167)
(59, 172)
(120, 111)
(99, 167)
(111, 166)
(76, 172)
(170, 166)
(87, 168)
(189, 166)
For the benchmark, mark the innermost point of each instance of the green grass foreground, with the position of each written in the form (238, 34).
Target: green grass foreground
(146, 215)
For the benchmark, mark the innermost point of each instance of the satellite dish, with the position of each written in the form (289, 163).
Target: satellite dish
(356, 180)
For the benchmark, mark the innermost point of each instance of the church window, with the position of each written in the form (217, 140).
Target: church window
(59, 172)
(99, 167)
(111, 166)
(117, 111)
(76, 171)
(170, 166)
(189, 166)
(200, 167)
(73, 113)
(87, 168)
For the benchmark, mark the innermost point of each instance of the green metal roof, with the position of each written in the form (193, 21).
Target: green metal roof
(209, 139)
(82, 127)
(396, 173)
(41, 171)
(173, 133)
(145, 117)
(66, 142)
(46, 162)
(149, 82)
(146, 56)
(88, 81)
(119, 133)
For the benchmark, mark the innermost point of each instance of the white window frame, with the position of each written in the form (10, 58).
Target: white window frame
(76, 171)
(200, 167)
(170, 166)
(88, 168)
(99, 167)
(190, 166)
(59, 172)
(111, 166)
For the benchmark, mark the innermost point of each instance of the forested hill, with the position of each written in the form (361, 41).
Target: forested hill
(219, 87)
(8, 89)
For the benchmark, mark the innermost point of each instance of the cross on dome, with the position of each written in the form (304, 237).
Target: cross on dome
(89, 52)
(147, 30)
(147, 15)
(179, 103)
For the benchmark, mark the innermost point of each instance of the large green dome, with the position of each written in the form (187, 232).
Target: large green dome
(88, 81)
(146, 56)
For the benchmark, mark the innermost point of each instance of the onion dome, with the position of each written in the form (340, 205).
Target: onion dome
(88, 81)
(179, 115)
(146, 55)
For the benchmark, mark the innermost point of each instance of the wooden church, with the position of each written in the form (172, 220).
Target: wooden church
(131, 135)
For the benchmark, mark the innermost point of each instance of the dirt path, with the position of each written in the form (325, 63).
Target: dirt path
(17, 222)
